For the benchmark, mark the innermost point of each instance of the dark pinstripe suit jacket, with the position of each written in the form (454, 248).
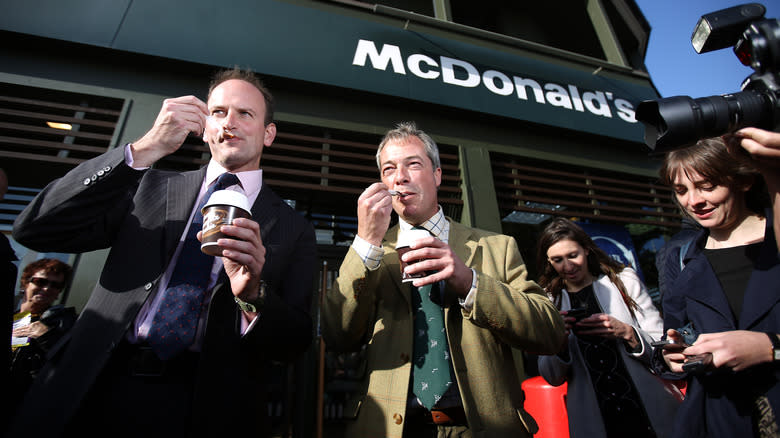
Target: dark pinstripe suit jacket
(141, 215)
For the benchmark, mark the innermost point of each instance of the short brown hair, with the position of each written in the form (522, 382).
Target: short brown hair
(251, 78)
(711, 159)
(49, 266)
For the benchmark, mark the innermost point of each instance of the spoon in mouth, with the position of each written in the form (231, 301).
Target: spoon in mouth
(396, 193)
(225, 132)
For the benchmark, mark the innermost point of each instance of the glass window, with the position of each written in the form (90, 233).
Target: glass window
(423, 7)
(631, 209)
(539, 22)
(629, 43)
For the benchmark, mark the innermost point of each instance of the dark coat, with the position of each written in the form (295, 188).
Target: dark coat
(141, 215)
(720, 403)
(667, 259)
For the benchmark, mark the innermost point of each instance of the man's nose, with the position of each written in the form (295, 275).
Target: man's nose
(230, 120)
(401, 175)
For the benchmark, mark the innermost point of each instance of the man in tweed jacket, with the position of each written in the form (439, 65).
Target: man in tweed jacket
(489, 307)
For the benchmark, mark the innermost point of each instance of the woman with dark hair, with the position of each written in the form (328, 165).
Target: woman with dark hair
(41, 283)
(727, 294)
(611, 322)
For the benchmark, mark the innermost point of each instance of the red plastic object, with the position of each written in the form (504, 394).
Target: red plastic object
(547, 404)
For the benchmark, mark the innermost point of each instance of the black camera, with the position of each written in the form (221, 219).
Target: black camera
(680, 121)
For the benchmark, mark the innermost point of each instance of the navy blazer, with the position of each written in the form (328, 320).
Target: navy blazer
(141, 215)
(720, 403)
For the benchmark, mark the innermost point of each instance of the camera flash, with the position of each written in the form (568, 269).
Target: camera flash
(721, 29)
(700, 34)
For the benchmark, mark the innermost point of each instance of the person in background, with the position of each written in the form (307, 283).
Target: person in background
(610, 323)
(721, 311)
(41, 284)
(173, 342)
(439, 355)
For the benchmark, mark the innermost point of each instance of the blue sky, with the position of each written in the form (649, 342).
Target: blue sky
(675, 68)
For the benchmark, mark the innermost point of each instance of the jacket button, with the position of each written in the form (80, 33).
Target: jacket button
(398, 418)
(147, 286)
(86, 181)
(100, 172)
(94, 177)
(107, 169)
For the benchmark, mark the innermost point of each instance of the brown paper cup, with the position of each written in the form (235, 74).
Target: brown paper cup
(221, 209)
(405, 239)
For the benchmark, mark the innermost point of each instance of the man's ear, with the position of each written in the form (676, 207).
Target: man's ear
(270, 134)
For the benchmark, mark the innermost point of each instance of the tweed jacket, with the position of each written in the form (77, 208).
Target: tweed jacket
(659, 399)
(509, 311)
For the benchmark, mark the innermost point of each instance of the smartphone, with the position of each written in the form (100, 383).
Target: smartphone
(668, 345)
(698, 363)
(578, 314)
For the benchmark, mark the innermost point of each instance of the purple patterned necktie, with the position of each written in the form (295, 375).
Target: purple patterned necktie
(176, 321)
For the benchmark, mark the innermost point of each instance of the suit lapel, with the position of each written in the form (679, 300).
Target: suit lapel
(394, 264)
(704, 288)
(462, 242)
(264, 210)
(182, 192)
(697, 272)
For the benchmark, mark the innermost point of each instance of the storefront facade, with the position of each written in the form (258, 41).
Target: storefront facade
(533, 108)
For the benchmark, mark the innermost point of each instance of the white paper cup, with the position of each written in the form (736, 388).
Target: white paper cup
(221, 209)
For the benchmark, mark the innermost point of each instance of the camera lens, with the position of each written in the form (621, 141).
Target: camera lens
(680, 120)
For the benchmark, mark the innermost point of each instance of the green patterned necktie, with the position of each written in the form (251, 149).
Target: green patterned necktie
(431, 371)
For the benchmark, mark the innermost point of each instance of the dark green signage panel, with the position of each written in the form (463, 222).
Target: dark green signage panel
(310, 44)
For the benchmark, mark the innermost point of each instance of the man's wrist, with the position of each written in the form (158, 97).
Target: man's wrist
(369, 253)
(775, 346)
(253, 305)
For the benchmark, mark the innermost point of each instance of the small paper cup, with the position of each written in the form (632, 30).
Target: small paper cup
(405, 239)
(221, 209)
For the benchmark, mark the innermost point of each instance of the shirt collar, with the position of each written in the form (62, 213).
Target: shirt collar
(251, 180)
(438, 225)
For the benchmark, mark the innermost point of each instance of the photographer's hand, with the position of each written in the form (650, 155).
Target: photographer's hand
(764, 148)
(761, 144)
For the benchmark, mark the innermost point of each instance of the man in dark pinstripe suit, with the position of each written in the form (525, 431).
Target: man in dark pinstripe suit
(256, 307)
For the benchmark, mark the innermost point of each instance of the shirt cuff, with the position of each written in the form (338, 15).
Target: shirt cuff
(468, 302)
(246, 325)
(129, 157)
(370, 254)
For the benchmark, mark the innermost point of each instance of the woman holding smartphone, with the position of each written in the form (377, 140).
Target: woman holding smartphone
(727, 293)
(611, 322)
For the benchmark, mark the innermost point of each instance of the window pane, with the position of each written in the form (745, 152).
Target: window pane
(626, 38)
(545, 23)
(423, 7)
